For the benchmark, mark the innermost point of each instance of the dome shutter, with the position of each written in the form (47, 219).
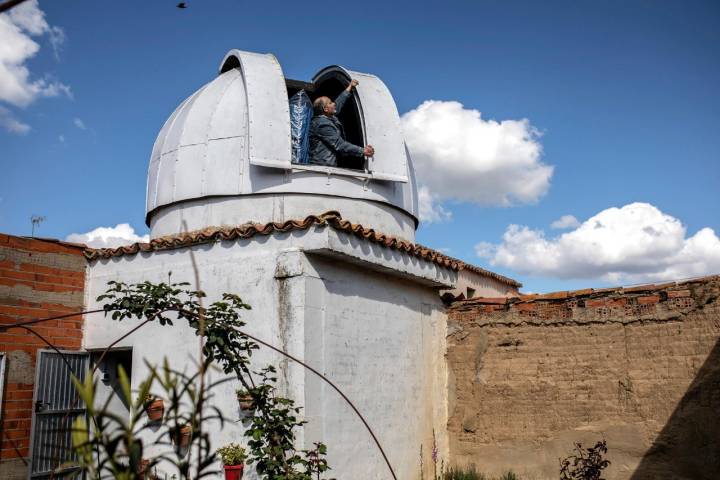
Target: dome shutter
(382, 128)
(267, 106)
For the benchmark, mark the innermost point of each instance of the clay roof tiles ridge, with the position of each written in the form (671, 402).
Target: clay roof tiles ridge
(330, 218)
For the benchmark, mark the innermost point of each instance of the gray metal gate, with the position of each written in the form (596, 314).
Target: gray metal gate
(57, 405)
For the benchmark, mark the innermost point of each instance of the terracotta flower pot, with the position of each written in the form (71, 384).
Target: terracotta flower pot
(155, 410)
(234, 472)
(183, 440)
(246, 402)
(142, 468)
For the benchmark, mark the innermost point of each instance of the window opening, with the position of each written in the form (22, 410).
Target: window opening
(294, 86)
(470, 292)
(109, 388)
(331, 85)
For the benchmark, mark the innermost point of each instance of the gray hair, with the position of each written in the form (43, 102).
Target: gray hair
(319, 105)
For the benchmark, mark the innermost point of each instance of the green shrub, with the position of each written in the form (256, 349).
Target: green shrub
(471, 473)
(466, 473)
(586, 463)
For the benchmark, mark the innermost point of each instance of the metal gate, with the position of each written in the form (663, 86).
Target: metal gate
(57, 405)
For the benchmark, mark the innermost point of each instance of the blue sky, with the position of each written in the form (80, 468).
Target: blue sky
(620, 99)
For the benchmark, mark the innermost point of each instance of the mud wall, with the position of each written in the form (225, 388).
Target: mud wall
(638, 367)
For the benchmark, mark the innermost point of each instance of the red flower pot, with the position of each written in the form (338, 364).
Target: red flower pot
(234, 472)
(142, 468)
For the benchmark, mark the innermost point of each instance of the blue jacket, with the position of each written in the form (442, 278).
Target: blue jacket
(327, 138)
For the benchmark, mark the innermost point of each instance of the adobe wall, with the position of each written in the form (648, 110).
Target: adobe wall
(638, 367)
(37, 279)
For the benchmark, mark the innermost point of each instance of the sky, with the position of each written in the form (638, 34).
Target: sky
(566, 144)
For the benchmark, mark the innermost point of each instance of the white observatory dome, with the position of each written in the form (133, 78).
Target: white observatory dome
(224, 156)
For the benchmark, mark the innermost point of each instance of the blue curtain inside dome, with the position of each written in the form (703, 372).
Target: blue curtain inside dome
(301, 114)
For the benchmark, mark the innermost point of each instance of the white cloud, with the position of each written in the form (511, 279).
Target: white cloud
(61, 138)
(430, 210)
(564, 222)
(17, 27)
(459, 155)
(634, 243)
(11, 124)
(108, 237)
(485, 249)
(79, 124)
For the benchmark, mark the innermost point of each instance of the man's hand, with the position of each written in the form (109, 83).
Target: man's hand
(353, 83)
(369, 151)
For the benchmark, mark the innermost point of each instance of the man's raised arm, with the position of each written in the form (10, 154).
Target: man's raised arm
(342, 98)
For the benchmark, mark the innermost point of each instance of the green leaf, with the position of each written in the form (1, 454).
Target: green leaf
(124, 385)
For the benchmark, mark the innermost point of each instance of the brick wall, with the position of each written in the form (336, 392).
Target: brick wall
(639, 367)
(38, 279)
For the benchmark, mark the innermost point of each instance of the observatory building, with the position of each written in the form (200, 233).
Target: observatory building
(326, 257)
(224, 156)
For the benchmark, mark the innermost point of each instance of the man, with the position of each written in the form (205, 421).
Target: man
(327, 136)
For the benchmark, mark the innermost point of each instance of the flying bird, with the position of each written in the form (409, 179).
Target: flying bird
(182, 5)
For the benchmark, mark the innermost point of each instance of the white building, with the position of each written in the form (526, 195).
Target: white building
(348, 291)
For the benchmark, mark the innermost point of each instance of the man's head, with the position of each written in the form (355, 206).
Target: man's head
(324, 106)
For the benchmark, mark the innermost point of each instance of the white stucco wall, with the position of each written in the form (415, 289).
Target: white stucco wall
(262, 208)
(382, 340)
(367, 317)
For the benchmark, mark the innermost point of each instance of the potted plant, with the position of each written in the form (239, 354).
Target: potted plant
(245, 399)
(182, 435)
(154, 407)
(232, 457)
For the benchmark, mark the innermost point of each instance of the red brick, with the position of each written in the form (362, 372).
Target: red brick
(7, 273)
(649, 300)
(19, 386)
(35, 245)
(23, 425)
(43, 287)
(34, 268)
(678, 293)
(595, 302)
(17, 414)
(69, 343)
(19, 395)
(7, 264)
(16, 434)
(11, 444)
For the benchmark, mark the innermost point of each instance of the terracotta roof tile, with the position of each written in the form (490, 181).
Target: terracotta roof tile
(552, 296)
(671, 289)
(331, 218)
(617, 297)
(481, 271)
(640, 288)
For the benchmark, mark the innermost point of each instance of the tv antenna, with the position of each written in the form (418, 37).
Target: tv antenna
(36, 221)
